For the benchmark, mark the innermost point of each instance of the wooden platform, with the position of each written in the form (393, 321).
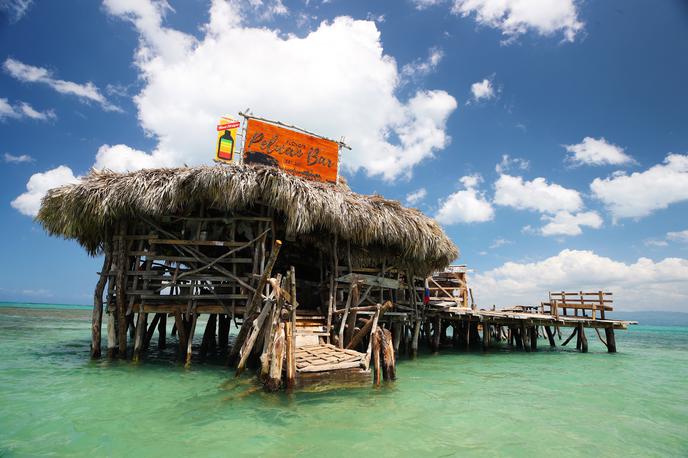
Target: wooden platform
(326, 357)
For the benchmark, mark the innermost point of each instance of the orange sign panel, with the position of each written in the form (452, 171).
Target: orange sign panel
(295, 152)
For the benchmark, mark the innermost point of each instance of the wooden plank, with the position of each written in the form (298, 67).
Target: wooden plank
(370, 280)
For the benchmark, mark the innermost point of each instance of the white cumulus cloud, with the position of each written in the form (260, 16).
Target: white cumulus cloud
(31, 74)
(336, 80)
(29, 202)
(641, 285)
(468, 205)
(565, 223)
(537, 195)
(416, 196)
(679, 236)
(641, 193)
(507, 163)
(482, 90)
(597, 151)
(516, 17)
(423, 67)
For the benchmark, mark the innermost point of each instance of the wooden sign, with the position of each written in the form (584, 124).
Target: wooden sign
(298, 153)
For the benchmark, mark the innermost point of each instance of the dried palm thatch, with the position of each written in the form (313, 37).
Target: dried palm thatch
(85, 211)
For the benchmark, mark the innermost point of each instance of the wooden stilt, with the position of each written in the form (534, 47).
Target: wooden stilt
(518, 337)
(611, 340)
(181, 331)
(486, 336)
(97, 315)
(436, 336)
(276, 359)
(250, 341)
(550, 336)
(189, 340)
(121, 283)
(389, 369)
(573, 334)
(397, 329)
(151, 330)
(162, 332)
(533, 338)
(583, 338)
(209, 335)
(414, 339)
(111, 334)
(376, 344)
(290, 356)
(139, 335)
(223, 332)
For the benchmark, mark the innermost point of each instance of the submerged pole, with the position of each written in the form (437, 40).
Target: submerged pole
(97, 316)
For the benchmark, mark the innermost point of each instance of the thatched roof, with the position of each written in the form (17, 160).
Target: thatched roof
(85, 210)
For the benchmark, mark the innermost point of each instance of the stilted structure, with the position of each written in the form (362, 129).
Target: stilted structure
(308, 272)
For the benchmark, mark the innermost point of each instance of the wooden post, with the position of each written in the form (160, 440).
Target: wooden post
(181, 330)
(121, 290)
(189, 340)
(486, 336)
(397, 329)
(139, 335)
(208, 341)
(533, 338)
(151, 330)
(162, 332)
(525, 336)
(375, 343)
(550, 336)
(573, 334)
(276, 359)
(414, 339)
(373, 329)
(97, 316)
(223, 332)
(256, 299)
(342, 326)
(389, 370)
(611, 340)
(437, 336)
(583, 338)
(291, 358)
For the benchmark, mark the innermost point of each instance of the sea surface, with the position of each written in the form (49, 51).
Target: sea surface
(552, 403)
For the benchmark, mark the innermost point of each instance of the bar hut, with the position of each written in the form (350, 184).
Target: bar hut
(291, 276)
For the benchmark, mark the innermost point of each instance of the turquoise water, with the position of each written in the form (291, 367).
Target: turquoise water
(54, 401)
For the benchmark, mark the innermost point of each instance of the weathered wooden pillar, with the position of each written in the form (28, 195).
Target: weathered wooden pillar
(121, 285)
(414, 339)
(290, 349)
(189, 341)
(550, 336)
(139, 336)
(111, 333)
(97, 315)
(223, 332)
(583, 338)
(162, 331)
(486, 336)
(475, 334)
(437, 335)
(389, 368)
(611, 340)
(276, 359)
(376, 344)
(181, 331)
(151, 330)
(397, 329)
(533, 338)
(209, 335)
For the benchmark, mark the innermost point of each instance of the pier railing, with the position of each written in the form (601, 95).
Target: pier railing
(571, 303)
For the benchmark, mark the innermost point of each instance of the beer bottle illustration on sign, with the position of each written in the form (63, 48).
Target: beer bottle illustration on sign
(225, 146)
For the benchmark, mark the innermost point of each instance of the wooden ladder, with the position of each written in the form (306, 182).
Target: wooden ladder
(311, 325)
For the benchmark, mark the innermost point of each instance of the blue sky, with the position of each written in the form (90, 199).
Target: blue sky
(550, 138)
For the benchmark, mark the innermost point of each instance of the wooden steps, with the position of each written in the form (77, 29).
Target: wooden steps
(326, 357)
